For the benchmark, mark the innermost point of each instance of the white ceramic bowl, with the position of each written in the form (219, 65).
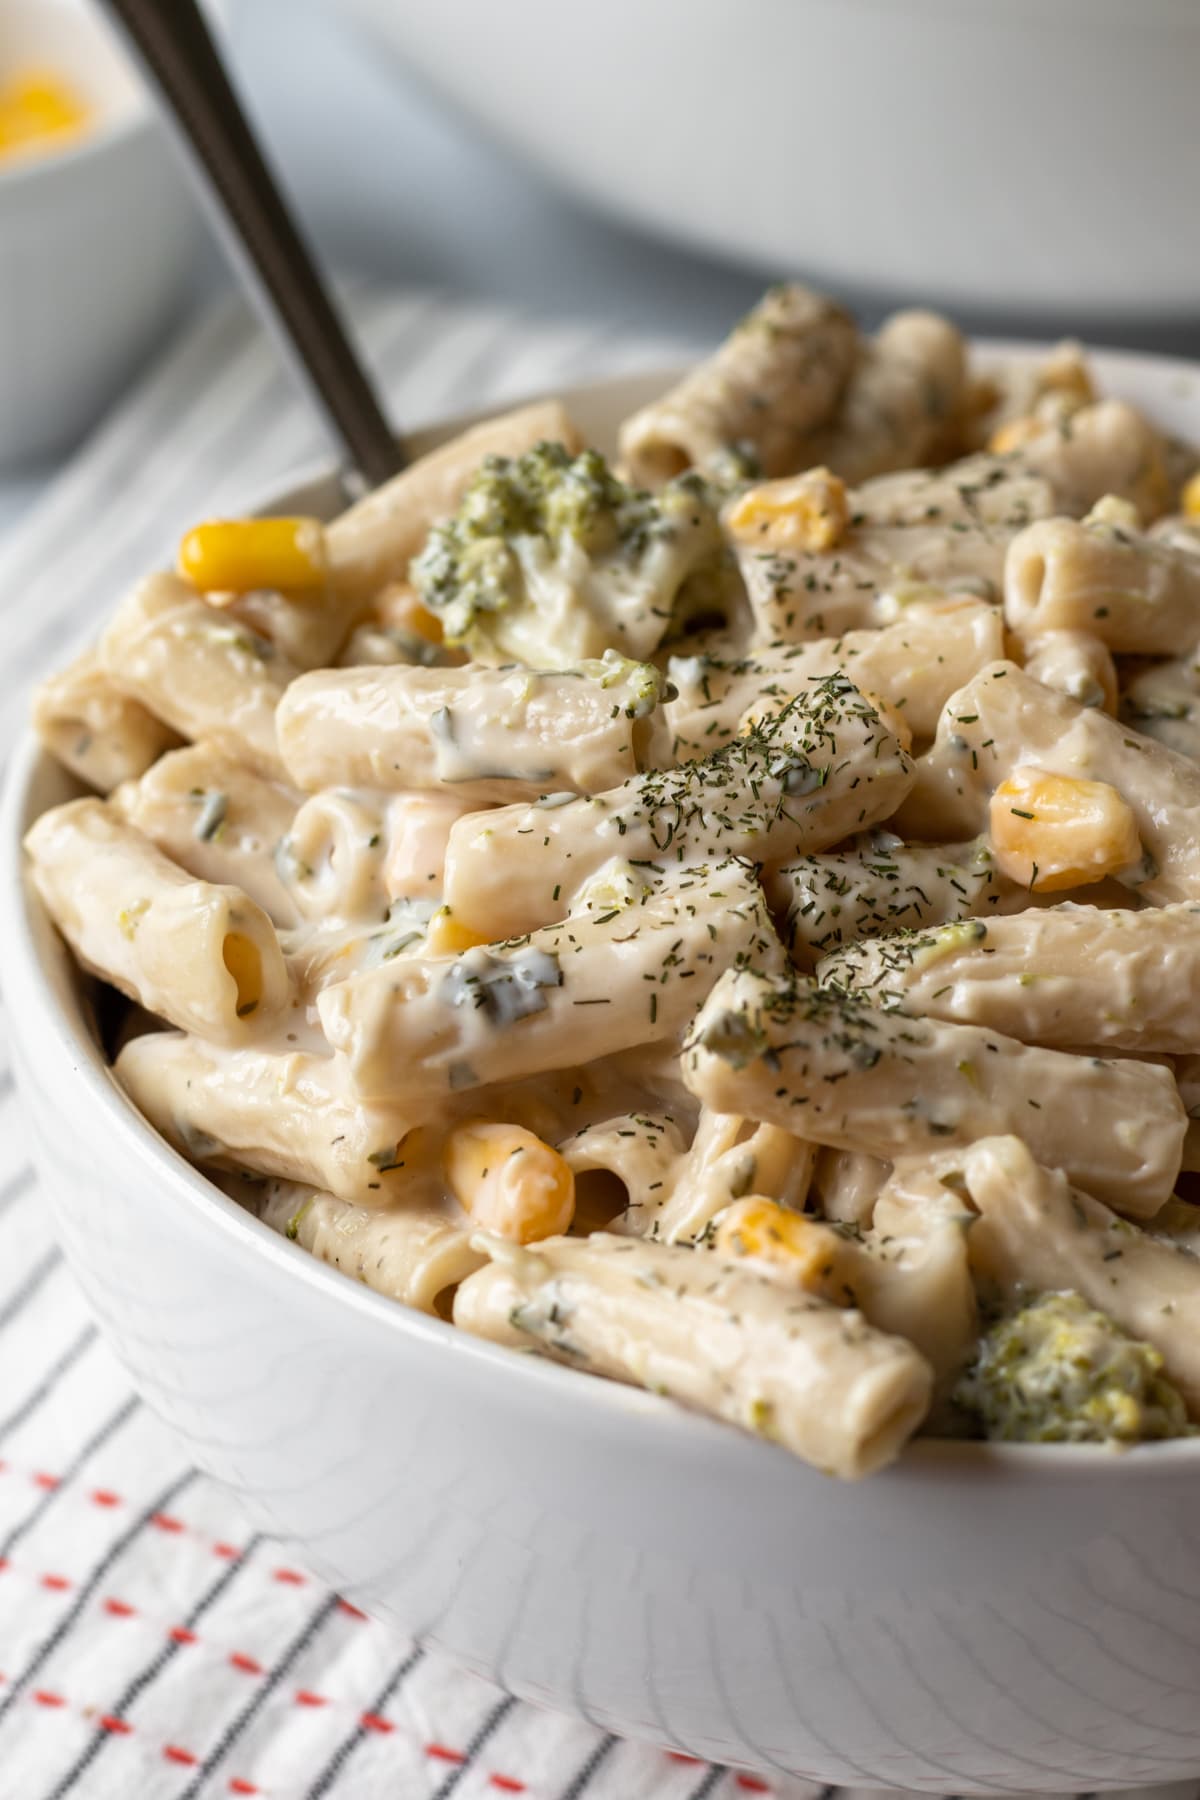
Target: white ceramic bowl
(1035, 155)
(95, 237)
(977, 1618)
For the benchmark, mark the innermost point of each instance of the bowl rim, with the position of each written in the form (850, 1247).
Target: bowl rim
(81, 1060)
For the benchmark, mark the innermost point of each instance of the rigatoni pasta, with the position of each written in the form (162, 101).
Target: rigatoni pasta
(805, 1374)
(774, 381)
(492, 735)
(1003, 721)
(1065, 976)
(203, 674)
(822, 765)
(1105, 578)
(97, 731)
(513, 1008)
(413, 1254)
(822, 1062)
(218, 820)
(201, 955)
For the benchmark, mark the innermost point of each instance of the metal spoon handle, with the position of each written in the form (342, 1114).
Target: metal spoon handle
(173, 43)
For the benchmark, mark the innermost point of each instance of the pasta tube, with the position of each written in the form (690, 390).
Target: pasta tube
(846, 1185)
(1131, 592)
(273, 575)
(492, 734)
(921, 1286)
(821, 1062)
(822, 767)
(940, 530)
(1105, 449)
(908, 1276)
(867, 579)
(1035, 1231)
(1187, 1075)
(201, 955)
(913, 665)
(95, 730)
(995, 494)
(374, 542)
(774, 381)
(217, 820)
(729, 1156)
(1163, 701)
(1064, 976)
(811, 1377)
(1023, 393)
(334, 858)
(637, 1152)
(900, 403)
(291, 1115)
(631, 974)
(881, 884)
(418, 832)
(1075, 663)
(1003, 720)
(413, 1254)
(206, 675)
(309, 629)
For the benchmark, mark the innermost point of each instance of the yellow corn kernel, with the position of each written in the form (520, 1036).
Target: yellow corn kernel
(787, 1246)
(1112, 509)
(447, 937)
(1189, 500)
(36, 108)
(399, 609)
(236, 556)
(1050, 832)
(1014, 434)
(809, 512)
(510, 1181)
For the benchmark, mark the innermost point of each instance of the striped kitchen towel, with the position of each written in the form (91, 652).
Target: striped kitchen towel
(151, 1644)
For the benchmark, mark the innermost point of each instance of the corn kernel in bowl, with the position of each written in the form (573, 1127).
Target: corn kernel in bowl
(1052, 832)
(39, 112)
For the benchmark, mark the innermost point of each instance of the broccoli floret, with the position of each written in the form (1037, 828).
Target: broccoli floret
(1057, 1371)
(553, 560)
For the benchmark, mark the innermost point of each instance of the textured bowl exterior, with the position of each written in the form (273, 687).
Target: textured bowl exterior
(1031, 155)
(973, 1620)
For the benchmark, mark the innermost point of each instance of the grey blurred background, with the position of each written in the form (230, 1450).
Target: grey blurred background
(392, 184)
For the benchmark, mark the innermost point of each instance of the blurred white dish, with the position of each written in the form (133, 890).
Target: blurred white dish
(95, 236)
(1032, 155)
(978, 1618)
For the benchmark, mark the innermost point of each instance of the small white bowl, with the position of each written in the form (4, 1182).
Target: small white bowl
(1004, 155)
(977, 1619)
(95, 236)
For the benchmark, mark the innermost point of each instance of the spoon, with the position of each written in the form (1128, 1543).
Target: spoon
(256, 225)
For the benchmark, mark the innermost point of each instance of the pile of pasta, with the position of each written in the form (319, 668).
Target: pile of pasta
(742, 1018)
